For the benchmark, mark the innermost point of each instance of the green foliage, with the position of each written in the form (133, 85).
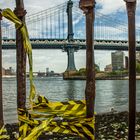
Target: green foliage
(97, 68)
(113, 73)
(82, 71)
(138, 67)
(118, 73)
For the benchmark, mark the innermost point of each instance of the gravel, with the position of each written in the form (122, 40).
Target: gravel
(109, 126)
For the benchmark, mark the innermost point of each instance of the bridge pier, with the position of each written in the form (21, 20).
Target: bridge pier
(69, 48)
(70, 20)
(71, 63)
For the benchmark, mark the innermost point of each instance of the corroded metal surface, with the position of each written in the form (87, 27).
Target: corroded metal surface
(1, 103)
(90, 70)
(131, 7)
(86, 4)
(21, 59)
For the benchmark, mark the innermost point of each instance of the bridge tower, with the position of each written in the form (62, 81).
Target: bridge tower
(69, 48)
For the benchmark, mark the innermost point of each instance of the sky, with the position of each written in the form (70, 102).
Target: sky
(56, 59)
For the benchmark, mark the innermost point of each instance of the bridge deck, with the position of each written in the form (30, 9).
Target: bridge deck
(76, 43)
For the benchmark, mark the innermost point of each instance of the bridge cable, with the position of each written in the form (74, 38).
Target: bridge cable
(63, 21)
(46, 27)
(59, 23)
(50, 26)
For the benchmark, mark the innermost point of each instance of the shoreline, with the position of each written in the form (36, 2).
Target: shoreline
(81, 77)
(9, 76)
(99, 78)
(109, 125)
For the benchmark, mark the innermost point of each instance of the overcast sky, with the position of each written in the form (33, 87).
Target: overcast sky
(108, 6)
(57, 60)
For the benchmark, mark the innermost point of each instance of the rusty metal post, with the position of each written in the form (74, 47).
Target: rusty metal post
(88, 7)
(131, 7)
(21, 59)
(1, 103)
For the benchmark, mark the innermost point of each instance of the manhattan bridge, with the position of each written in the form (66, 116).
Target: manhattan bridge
(63, 27)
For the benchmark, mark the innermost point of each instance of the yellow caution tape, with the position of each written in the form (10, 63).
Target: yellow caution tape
(2, 130)
(38, 130)
(76, 125)
(3, 134)
(70, 108)
(23, 116)
(4, 137)
(70, 111)
(7, 13)
(82, 126)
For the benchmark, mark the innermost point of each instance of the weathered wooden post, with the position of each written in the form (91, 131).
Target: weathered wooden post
(88, 7)
(1, 103)
(131, 7)
(21, 58)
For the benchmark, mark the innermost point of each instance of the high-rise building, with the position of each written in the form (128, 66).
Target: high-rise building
(138, 56)
(126, 62)
(117, 60)
(108, 68)
(47, 70)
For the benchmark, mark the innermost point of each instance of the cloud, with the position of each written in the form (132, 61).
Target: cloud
(9, 58)
(7, 4)
(110, 6)
(115, 9)
(34, 6)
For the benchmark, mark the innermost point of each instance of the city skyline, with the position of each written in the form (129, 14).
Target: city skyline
(56, 59)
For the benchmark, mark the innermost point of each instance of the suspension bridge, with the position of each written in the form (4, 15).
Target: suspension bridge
(63, 27)
(75, 43)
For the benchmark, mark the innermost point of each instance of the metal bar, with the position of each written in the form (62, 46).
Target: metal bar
(90, 81)
(131, 7)
(88, 7)
(21, 59)
(1, 102)
(132, 69)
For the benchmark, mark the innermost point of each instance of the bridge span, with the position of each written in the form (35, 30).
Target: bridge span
(75, 43)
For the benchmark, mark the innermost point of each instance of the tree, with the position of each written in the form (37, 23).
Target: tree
(138, 67)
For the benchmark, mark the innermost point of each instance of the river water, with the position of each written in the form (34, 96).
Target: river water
(109, 93)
